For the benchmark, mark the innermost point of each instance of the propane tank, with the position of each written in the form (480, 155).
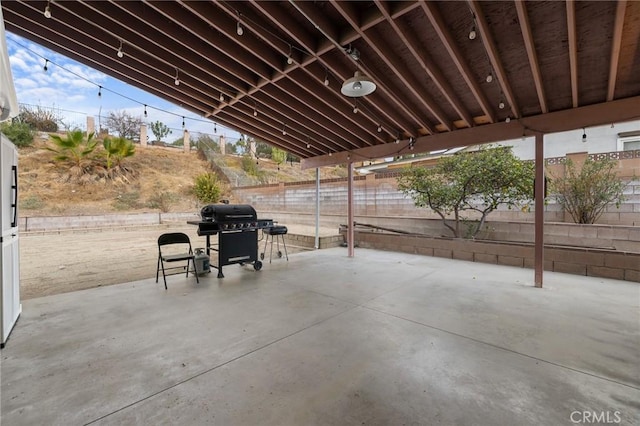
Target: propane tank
(201, 262)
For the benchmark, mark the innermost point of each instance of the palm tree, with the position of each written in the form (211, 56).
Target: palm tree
(116, 150)
(74, 148)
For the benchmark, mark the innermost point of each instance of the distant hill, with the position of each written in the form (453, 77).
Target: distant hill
(163, 182)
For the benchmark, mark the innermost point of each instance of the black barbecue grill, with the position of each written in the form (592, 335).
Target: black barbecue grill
(236, 226)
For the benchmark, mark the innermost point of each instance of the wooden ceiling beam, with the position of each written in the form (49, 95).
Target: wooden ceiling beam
(616, 41)
(426, 63)
(573, 51)
(174, 45)
(492, 52)
(525, 28)
(432, 12)
(397, 66)
(558, 121)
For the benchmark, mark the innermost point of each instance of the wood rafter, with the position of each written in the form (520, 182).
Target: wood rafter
(521, 7)
(616, 40)
(494, 58)
(573, 51)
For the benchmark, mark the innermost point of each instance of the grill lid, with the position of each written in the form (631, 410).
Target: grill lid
(228, 213)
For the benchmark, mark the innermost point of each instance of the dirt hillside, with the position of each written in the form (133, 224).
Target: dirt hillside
(163, 181)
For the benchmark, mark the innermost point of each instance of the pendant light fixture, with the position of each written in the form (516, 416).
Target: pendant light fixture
(47, 10)
(120, 53)
(177, 79)
(358, 85)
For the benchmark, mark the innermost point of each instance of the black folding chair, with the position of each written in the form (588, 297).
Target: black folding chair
(182, 241)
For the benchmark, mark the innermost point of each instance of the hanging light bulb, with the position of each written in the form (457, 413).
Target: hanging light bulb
(308, 145)
(239, 29)
(255, 111)
(501, 105)
(215, 127)
(177, 79)
(221, 97)
(183, 122)
(46, 61)
(355, 107)
(99, 91)
(508, 119)
(145, 111)
(326, 79)
(284, 130)
(289, 58)
(489, 78)
(472, 33)
(120, 53)
(584, 136)
(379, 128)
(47, 10)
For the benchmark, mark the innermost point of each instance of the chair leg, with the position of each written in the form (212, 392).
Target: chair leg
(158, 269)
(195, 272)
(163, 274)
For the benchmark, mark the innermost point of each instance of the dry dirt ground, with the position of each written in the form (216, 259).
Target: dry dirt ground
(60, 262)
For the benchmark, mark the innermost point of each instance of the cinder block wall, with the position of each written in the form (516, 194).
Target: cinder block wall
(580, 261)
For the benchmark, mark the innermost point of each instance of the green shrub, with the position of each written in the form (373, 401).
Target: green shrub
(249, 165)
(21, 134)
(207, 188)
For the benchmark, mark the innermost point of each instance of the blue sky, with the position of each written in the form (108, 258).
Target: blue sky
(76, 96)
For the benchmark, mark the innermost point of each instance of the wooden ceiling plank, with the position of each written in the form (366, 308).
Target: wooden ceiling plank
(525, 28)
(492, 52)
(616, 42)
(558, 121)
(573, 50)
(426, 63)
(273, 13)
(313, 105)
(432, 12)
(378, 45)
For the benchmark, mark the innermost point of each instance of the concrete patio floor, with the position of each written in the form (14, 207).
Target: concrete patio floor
(380, 339)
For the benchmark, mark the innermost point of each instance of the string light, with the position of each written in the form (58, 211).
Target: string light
(508, 119)
(239, 29)
(501, 105)
(472, 33)
(177, 79)
(46, 61)
(284, 130)
(489, 78)
(255, 110)
(326, 77)
(99, 91)
(584, 135)
(355, 106)
(379, 128)
(215, 127)
(289, 58)
(221, 97)
(145, 110)
(120, 53)
(183, 121)
(47, 10)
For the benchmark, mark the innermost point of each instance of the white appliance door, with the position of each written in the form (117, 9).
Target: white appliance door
(10, 255)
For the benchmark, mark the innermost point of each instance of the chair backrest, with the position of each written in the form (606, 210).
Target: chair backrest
(174, 238)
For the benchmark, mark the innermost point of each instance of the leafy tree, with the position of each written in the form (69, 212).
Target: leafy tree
(207, 188)
(585, 193)
(116, 150)
(470, 181)
(124, 124)
(263, 149)
(230, 148)
(74, 147)
(42, 119)
(159, 130)
(21, 134)
(278, 155)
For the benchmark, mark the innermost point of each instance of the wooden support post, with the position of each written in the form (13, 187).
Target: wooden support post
(539, 191)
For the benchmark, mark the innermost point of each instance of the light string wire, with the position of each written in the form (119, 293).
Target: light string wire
(102, 87)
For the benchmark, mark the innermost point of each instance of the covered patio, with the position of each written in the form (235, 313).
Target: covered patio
(381, 338)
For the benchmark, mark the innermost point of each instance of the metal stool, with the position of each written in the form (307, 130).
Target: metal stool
(276, 232)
